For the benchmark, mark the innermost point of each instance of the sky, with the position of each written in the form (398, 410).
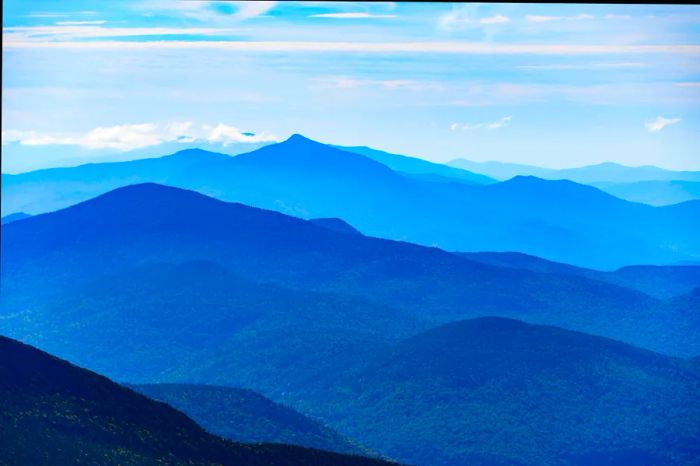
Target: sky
(554, 85)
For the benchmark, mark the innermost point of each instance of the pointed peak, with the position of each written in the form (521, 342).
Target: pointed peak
(297, 138)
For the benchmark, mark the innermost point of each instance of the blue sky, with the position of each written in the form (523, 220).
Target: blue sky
(551, 85)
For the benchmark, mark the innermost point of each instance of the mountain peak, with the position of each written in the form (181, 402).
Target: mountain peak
(298, 138)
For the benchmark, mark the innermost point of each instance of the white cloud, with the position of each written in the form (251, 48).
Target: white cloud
(208, 11)
(457, 18)
(249, 9)
(500, 123)
(80, 23)
(14, 39)
(342, 82)
(617, 17)
(505, 121)
(134, 136)
(546, 19)
(226, 135)
(497, 19)
(351, 15)
(583, 66)
(85, 31)
(660, 123)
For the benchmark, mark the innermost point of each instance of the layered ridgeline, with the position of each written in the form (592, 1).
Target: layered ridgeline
(558, 220)
(660, 281)
(67, 267)
(495, 391)
(246, 416)
(647, 184)
(55, 413)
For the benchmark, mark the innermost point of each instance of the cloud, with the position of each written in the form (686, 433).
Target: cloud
(19, 39)
(80, 23)
(660, 123)
(497, 19)
(85, 31)
(351, 15)
(342, 82)
(500, 123)
(457, 18)
(207, 10)
(546, 19)
(135, 136)
(584, 66)
(249, 9)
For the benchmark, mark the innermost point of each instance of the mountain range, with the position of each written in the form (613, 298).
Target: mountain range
(647, 184)
(557, 220)
(313, 304)
(69, 256)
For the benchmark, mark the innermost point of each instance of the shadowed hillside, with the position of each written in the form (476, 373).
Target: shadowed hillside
(246, 416)
(56, 413)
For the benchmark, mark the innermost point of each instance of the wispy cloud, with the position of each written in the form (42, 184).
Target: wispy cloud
(497, 19)
(135, 136)
(23, 37)
(65, 32)
(614, 16)
(547, 19)
(660, 123)
(459, 18)
(80, 23)
(584, 66)
(342, 82)
(206, 11)
(357, 15)
(500, 123)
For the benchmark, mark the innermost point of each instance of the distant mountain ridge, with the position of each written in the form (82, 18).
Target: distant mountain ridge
(307, 179)
(647, 184)
(607, 172)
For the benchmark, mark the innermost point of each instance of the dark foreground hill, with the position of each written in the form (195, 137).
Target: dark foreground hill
(246, 416)
(59, 252)
(55, 413)
(558, 220)
(495, 391)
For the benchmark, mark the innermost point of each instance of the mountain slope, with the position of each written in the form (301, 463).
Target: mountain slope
(246, 416)
(555, 220)
(502, 392)
(416, 166)
(657, 193)
(128, 227)
(335, 224)
(662, 282)
(197, 322)
(56, 413)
